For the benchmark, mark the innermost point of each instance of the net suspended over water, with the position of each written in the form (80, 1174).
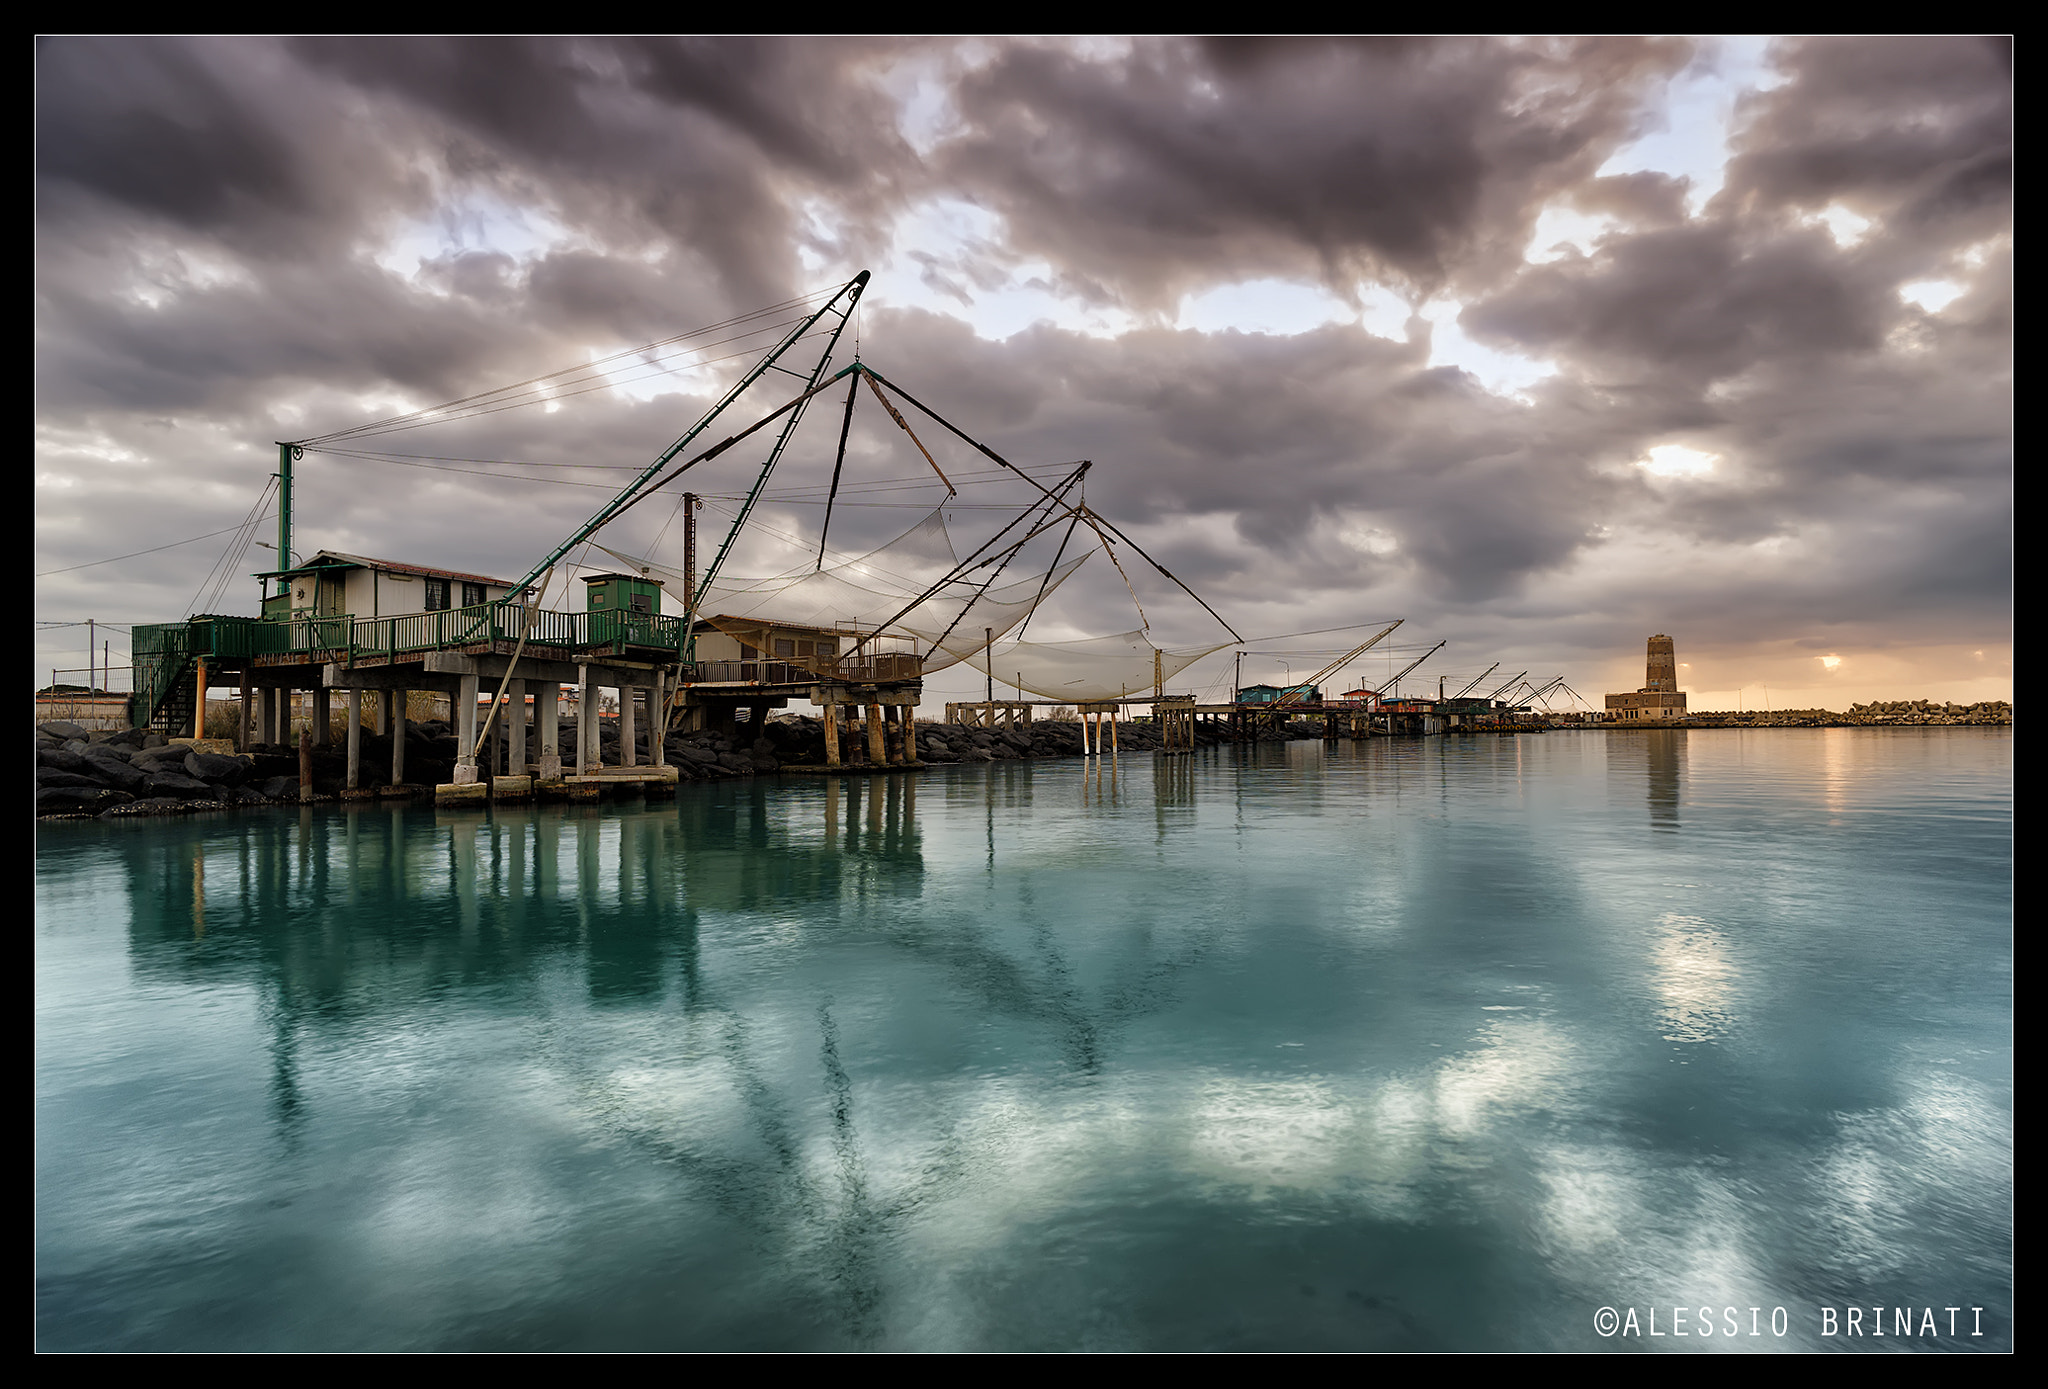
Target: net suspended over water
(862, 594)
(956, 624)
(1078, 671)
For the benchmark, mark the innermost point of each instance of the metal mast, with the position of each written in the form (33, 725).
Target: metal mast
(850, 292)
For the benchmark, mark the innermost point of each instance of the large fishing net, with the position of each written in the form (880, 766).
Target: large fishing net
(858, 597)
(961, 622)
(1078, 671)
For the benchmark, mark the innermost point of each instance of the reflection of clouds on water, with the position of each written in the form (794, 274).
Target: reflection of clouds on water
(1693, 978)
(1321, 1133)
(1873, 1202)
(1627, 1227)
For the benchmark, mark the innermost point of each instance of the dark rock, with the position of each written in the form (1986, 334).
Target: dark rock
(58, 728)
(209, 766)
(153, 739)
(735, 762)
(279, 788)
(78, 800)
(122, 776)
(52, 776)
(177, 786)
(62, 760)
(128, 738)
(110, 752)
(698, 755)
(766, 762)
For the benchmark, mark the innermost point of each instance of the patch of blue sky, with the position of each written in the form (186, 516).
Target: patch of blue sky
(1693, 118)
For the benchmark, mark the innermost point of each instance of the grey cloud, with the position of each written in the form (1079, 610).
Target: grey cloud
(1865, 487)
(1290, 156)
(1917, 127)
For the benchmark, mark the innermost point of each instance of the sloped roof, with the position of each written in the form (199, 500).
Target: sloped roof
(335, 559)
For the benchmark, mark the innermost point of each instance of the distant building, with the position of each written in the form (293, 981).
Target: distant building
(1273, 694)
(1659, 698)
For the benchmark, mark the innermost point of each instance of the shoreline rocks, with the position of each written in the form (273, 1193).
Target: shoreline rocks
(138, 772)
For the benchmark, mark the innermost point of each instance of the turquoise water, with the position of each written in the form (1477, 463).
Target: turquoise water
(1434, 1044)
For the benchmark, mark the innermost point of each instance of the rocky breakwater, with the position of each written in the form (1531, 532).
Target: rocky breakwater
(1878, 714)
(137, 772)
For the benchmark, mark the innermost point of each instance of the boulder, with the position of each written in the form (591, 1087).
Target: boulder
(52, 776)
(208, 766)
(112, 771)
(78, 800)
(62, 760)
(58, 728)
(177, 786)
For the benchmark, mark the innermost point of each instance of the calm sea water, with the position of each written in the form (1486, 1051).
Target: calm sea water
(1443, 1044)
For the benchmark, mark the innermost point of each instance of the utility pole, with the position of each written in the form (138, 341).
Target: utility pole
(988, 660)
(690, 505)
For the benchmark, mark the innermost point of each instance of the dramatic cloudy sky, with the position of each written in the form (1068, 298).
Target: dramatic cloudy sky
(1542, 345)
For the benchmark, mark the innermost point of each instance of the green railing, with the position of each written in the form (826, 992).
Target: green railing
(164, 652)
(636, 629)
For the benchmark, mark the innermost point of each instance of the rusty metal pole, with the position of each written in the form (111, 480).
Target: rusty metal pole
(305, 762)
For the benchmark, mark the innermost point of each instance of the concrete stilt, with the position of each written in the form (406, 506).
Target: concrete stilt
(547, 709)
(465, 731)
(355, 739)
(831, 735)
(878, 752)
(515, 728)
(323, 717)
(629, 726)
(587, 746)
(242, 737)
(397, 711)
(657, 722)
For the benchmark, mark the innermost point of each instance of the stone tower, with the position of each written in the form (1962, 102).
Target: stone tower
(1659, 700)
(1661, 675)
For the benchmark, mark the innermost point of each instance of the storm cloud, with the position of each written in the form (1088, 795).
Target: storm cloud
(1350, 329)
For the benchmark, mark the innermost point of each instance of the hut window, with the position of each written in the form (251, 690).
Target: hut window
(785, 646)
(747, 653)
(805, 648)
(437, 595)
(472, 594)
(828, 647)
(643, 603)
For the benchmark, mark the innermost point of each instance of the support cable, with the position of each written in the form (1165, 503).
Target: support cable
(991, 453)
